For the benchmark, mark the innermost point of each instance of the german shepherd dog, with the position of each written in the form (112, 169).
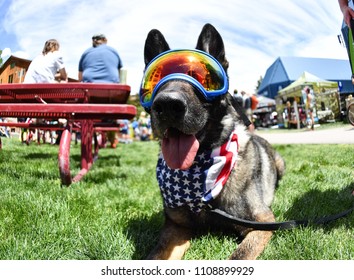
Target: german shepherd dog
(187, 125)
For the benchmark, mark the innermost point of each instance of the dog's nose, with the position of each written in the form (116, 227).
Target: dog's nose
(169, 106)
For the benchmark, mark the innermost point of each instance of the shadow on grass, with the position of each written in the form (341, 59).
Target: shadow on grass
(312, 205)
(144, 232)
(32, 156)
(102, 176)
(317, 204)
(103, 170)
(108, 160)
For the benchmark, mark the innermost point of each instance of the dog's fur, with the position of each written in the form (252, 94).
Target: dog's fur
(249, 191)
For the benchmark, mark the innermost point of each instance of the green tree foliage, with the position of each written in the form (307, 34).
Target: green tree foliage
(259, 83)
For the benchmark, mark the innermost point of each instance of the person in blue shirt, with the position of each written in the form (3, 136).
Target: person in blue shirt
(100, 63)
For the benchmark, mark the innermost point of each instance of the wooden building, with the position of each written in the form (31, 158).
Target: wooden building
(13, 70)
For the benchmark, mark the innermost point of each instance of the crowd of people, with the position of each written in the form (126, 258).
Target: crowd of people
(300, 112)
(140, 128)
(248, 102)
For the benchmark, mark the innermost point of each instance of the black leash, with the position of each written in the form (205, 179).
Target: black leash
(279, 225)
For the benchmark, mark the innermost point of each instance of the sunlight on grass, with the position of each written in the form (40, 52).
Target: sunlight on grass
(115, 212)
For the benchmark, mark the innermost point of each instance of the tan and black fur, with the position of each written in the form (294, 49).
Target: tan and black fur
(249, 191)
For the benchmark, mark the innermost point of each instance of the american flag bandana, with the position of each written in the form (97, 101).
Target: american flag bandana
(202, 182)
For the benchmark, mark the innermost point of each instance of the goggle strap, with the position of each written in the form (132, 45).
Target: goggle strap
(240, 111)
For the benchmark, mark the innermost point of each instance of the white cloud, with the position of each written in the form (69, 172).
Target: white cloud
(324, 46)
(255, 33)
(6, 53)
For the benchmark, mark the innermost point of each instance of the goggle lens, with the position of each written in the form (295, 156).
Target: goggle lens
(207, 73)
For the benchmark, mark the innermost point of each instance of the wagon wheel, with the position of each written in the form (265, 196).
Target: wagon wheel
(351, 113)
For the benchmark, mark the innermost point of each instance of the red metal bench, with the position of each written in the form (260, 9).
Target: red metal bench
(80, 102)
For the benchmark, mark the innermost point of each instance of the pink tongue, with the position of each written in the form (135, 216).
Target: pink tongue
(179, 152)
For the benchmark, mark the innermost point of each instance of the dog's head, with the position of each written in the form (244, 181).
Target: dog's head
(181, 115)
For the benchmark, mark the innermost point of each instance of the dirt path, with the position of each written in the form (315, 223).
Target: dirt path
(341, 135)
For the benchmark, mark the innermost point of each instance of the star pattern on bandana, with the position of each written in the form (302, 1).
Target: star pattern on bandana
(202, 182)
(184, 187)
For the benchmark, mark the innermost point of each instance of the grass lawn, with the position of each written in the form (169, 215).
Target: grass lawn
(115, 212)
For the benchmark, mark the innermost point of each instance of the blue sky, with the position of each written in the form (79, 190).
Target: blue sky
(255, 33)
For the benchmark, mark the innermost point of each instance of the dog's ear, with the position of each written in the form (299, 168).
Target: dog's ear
(155, 44)
(211, 42)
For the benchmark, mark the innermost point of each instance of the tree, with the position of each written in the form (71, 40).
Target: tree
(0, 58)
(259, 83)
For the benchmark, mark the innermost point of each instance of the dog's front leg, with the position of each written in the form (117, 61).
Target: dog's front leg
(254, 242)
(173, 242)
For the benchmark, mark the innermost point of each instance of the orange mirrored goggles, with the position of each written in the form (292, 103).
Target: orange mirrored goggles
(199, 68)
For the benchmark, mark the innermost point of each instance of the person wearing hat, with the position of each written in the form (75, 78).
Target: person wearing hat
(100, 63)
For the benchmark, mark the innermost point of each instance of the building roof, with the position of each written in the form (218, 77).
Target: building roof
(286, 70)
(21, 61)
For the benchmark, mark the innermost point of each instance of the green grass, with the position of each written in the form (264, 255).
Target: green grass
(115, 211)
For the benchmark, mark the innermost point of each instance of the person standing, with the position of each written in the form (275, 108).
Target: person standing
(238, 97)
(347, 6)
(309, 106)
(100, 63)
(247, 106)
(48, 67)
